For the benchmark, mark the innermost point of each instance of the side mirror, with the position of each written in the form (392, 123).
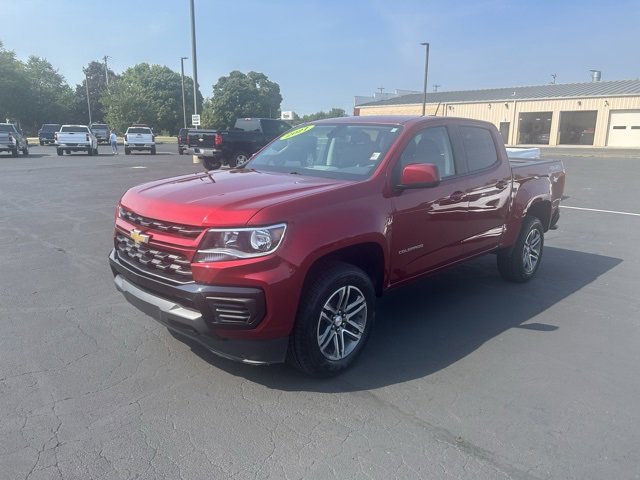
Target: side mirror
(419, 175)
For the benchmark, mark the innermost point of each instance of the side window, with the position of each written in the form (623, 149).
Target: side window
(479, 147)
(431, 145)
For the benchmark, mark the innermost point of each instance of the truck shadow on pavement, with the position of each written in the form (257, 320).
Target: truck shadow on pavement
(432, 323)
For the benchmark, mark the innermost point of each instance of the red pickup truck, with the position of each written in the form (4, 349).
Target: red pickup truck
(282, 259)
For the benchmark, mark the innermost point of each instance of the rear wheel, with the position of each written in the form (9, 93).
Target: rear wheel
(25, 150)
(239, 158)
(59, 151)
(521, 262)
(14, 152)
(127, 151)
(334, 320)
(180, 151)
(153, 150)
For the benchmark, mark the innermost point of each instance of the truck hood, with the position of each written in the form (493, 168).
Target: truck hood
(221, 198)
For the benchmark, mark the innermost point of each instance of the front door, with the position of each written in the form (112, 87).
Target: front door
(427, 227)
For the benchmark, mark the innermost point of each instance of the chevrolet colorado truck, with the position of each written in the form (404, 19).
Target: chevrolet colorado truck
(139, 138)
(234, 147)
(281, 260)
(12, 140)
(75, 138)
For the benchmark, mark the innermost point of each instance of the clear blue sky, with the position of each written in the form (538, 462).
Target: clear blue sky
(323, 53)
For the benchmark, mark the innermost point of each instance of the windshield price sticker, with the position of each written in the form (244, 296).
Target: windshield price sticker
(295, 132)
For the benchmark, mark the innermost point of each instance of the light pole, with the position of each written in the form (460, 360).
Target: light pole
(426, 71)
(86, 82)
(194, 60)
(184, 107)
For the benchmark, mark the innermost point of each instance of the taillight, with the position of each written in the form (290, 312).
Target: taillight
(55, 136)
(87, 137)
(217, 140)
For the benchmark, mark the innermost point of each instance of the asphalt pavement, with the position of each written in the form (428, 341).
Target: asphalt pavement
(465, 377)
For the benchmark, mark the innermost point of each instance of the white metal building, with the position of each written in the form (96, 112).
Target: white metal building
(593, 113)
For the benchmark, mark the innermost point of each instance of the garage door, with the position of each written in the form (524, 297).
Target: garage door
(624, 129)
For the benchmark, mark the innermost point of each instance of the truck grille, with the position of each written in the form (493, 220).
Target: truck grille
(151, 260)
(183, 230)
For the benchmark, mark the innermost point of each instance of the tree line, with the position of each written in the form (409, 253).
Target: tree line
(33, 93)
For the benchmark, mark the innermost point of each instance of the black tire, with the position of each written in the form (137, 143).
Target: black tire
(323, 343)
(521, 262)
(41, 143)
(25, 150)
(59, 151)
(90, 151)
(180, 151)
(68, 152)
(14, 152)
(238, 159)
(127, 151)
(153, 150)
(211, 164)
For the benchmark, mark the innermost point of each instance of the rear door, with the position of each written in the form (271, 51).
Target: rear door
(488, 187)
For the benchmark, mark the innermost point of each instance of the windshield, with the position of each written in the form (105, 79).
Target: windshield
(7, 128)
(99, 127)
(343, 151)
(139, 130)
(50, 127)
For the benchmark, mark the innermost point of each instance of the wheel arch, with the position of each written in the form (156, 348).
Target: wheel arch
(367, 256)
(541, 209)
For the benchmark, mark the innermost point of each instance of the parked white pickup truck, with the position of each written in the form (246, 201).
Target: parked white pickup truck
(139, 138)
(76, 138)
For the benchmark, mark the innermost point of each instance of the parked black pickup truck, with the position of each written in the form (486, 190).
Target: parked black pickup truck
(234, 147)
(46, 133)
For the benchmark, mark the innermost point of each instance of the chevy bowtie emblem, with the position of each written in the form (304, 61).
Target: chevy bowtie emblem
(139, 237)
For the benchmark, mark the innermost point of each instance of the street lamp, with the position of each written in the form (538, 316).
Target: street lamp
(194, 60)
(426, 70)
(184, 108)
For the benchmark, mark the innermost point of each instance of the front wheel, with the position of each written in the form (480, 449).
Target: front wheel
(334, 320)
(127, 151)
(25, 150)
(14, 152)
(59, 151)
(153, 150)
(521, 262)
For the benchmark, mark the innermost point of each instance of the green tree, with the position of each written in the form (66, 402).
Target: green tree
(96, 79)
(150, 94)
(241, 95)
(333, 113)
(50, 99)
(14, 91)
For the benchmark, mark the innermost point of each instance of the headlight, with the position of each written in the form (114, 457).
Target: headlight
(235, 243)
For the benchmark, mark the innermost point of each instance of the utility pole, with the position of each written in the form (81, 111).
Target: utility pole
(86, 82)
(106, 69)
(426, 71)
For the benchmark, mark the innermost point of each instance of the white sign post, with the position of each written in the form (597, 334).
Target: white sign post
(195, 120)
